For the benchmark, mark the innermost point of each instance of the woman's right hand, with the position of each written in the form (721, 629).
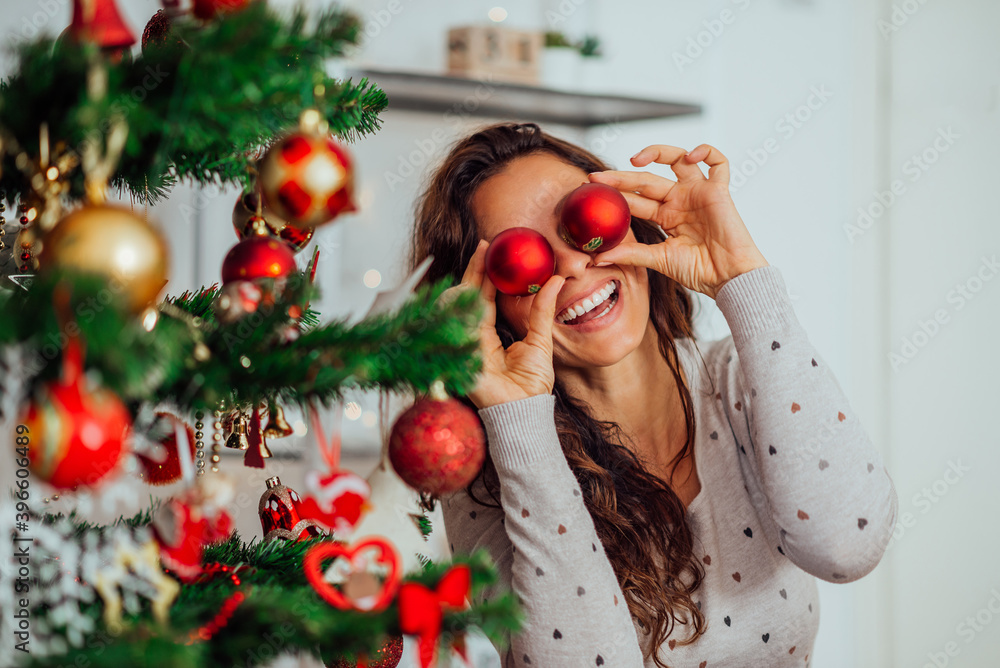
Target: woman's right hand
(525, 368)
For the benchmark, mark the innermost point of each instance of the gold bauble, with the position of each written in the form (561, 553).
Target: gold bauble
(112, 242)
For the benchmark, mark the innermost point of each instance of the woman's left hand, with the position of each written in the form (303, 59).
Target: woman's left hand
(708, 242)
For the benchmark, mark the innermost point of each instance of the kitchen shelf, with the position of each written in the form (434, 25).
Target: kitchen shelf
(413, 91)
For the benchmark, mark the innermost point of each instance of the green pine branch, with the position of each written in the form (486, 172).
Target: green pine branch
(199, 108)
(281, 613)
(194, 361)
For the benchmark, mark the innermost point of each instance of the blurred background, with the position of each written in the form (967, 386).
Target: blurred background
(862, 137)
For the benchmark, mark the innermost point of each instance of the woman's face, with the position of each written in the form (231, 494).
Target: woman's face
(530, 192)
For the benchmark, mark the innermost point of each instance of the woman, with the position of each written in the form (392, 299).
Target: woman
(651, 503)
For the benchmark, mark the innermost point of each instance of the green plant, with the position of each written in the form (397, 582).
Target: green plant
(556, 40)
(590, 46)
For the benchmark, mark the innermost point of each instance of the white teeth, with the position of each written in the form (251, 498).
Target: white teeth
(589, 303)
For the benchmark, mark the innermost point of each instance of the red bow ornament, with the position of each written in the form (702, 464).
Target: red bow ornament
(421, 610)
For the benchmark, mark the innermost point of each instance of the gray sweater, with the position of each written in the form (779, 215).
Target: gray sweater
(792, 489)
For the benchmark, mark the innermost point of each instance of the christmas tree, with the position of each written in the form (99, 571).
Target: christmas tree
(101, 366)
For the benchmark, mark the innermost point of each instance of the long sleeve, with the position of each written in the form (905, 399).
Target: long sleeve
(810, 466)
(545, 546)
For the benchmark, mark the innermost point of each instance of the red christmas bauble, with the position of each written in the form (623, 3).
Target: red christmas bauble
(389, 656)
(437, 446)
(280, 517)
(258, 257)
(75, 436)
(156, 30)
(519, 261)
(244, 213)
(206, 9)
(596, 216)
(307, 179)
(163, 466)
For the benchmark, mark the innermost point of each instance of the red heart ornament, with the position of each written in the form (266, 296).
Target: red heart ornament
(386, 557)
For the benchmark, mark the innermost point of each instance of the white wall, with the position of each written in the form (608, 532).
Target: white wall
(858, 295)
(939, 404)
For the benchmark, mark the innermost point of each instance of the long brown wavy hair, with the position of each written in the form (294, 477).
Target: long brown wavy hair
(640, 520)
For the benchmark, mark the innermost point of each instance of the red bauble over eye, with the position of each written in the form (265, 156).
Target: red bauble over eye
(596, 217)
(519, 261)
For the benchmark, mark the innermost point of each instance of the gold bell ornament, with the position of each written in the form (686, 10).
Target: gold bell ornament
(277, 426)
(238, 440)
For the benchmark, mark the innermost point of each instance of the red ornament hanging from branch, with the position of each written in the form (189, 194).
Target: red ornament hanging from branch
(388, 656)
(280, 514)
(185, 524)
(437, 446)
(77, 433)
(207, 9)
(99, 22)
(366, 574)
(162, 465)
(307, 177)
(336, 499)
(258, 256)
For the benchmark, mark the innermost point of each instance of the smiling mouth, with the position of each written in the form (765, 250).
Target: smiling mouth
(595, 306)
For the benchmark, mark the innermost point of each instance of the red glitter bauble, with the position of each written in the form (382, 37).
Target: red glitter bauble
(519, 261)
(437, 446)
(156, 30)
(307, 179)
(388, 657)
(596, 217)
(166, 468)
(258, 257)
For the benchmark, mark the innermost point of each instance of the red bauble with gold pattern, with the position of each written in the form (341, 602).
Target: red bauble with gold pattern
(162, 466)
(260, 256)
(280, 516)
(438, 445)
(75, 434)
(245, 212)
(307, 179)
(388, 656)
